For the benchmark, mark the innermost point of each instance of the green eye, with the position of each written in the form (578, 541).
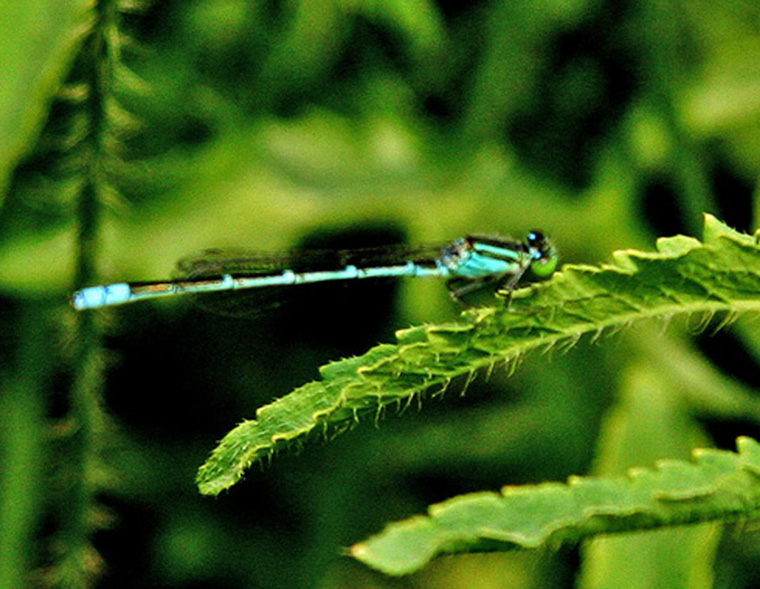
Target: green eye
(544, 267)
(544, 256)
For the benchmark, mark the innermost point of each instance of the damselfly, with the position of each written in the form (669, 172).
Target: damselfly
(469, 263)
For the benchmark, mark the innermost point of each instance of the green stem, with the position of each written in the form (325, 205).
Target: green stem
(22, 440)
(80, 564)
(665, 73)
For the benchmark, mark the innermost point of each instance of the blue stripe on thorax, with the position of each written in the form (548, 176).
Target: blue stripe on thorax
(475, 265)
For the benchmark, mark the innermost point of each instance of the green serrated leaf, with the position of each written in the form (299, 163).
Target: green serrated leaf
(650, 420)
(717, 485)
(685, 276)
(715, 230)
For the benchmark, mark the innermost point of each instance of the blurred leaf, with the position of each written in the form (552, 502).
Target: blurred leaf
(418, 20)
(39, 40)
(651, 421)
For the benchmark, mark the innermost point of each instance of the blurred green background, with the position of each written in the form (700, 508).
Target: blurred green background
(341, 123)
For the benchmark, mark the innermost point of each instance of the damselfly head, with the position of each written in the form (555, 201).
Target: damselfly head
(543, 255)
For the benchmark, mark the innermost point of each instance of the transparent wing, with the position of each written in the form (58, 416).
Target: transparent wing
(256, 301)
(216, 262)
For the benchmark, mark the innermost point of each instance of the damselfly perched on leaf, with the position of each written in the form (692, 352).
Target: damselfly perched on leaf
(469, 263)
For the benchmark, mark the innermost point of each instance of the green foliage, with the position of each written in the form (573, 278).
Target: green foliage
(73, 158)
(33, 70)
(133, 134)
(684, 276)
(718, 485)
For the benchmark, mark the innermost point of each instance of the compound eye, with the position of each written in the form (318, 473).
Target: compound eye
(543, 255)
(544, 265)
(535, 238)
